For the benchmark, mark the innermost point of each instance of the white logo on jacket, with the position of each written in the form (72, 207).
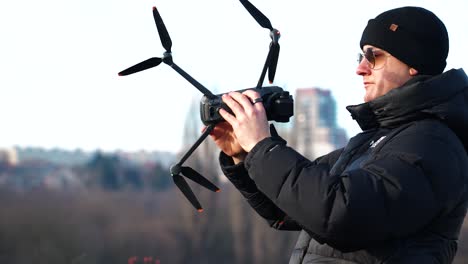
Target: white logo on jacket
(374, 144)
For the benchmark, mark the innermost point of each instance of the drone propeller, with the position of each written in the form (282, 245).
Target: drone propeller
(193, 175)
(167, 58)
(272, 58)
(163, 34)
(198, 178)
(153, 62)
(185, 189)
(259, 16)
(144, 65)
(178, 169)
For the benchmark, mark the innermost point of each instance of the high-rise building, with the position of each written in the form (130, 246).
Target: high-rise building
(314, 130)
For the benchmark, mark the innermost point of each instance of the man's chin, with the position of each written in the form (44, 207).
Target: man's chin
(368, 98)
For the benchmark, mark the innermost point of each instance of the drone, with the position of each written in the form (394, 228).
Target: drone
(278, 103)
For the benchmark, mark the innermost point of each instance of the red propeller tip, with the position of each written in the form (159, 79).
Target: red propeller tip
(218, 190)
(200, 210)
(270, 82)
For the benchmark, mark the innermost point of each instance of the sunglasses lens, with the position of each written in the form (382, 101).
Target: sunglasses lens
(370, 57)
(360, 57)
(375, 59)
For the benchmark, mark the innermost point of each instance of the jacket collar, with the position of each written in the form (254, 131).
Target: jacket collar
(416, 99)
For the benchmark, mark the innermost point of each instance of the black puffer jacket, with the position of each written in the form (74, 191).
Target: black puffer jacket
(397, 193)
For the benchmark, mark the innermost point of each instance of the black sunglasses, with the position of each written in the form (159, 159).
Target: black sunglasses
(376, 59)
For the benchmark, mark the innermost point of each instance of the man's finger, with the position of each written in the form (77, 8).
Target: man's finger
(227, 116)
(242, 99)
(251, 94)
(233, 104)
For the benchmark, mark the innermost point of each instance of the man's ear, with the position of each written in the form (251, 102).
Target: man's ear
(413, 72)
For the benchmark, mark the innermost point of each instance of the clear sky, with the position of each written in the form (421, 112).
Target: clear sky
(59, 62)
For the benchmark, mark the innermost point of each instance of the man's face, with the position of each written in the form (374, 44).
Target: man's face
(383, 74)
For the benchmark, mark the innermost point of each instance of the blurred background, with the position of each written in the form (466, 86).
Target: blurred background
(85, 154)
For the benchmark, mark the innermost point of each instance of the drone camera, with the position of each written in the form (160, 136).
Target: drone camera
(277, 102)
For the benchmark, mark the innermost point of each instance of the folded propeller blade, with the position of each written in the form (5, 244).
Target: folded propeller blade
(185, 189)
(198, 178)
(163, 34)
(144, 65)
(259, 16)
(273, 54)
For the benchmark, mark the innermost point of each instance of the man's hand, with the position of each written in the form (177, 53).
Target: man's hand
(226, 140)
(249, 122)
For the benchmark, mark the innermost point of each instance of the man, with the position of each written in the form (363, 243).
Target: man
(397, 193)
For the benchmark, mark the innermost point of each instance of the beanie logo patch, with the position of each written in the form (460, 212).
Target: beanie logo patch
(393, 27)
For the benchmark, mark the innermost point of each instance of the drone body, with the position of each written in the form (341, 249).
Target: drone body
(278, 103)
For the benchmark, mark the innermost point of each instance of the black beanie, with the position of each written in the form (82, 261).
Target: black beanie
(413, 35)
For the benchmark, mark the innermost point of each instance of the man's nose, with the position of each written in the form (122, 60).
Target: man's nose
(363, 68)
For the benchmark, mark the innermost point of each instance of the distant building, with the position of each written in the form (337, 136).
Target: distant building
(8, 156)
(314, 130)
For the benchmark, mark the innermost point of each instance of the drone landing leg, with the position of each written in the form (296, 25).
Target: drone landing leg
(178, 169)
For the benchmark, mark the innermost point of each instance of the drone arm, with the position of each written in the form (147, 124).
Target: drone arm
(194, 82)
(265, 67)
(197, 143)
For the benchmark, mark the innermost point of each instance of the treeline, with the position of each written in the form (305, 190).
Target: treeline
(98, 226)
(128, 227)
(103, 171)
(109, 172)
(131, 214)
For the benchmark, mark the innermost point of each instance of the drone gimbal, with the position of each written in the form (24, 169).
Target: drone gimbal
(278, 103)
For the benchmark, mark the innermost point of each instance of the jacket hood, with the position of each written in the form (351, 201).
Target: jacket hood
(443, 97)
